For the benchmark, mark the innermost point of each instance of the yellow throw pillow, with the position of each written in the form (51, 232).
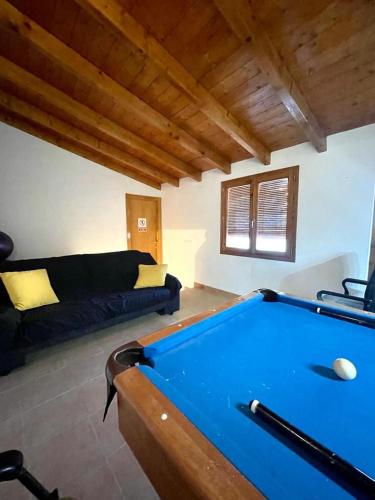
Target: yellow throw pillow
(29, 289)
(151, 275)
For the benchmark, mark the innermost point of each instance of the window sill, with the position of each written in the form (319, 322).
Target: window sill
(258, 255)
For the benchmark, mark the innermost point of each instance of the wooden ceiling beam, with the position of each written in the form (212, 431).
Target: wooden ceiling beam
(25, 80)
(31, 113)
(52, 138)
(241, 17)
(13, 19)
(114, 16)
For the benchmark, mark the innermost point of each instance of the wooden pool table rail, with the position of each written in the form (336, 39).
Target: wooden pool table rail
(169, 330)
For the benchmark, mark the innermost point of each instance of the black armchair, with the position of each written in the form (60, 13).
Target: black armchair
(367, 301)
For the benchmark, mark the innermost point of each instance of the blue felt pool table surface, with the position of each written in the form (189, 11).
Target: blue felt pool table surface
(279, 353)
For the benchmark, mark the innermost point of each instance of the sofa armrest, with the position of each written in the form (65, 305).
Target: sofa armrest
(10, 356)
(173, 284)
(10, 320)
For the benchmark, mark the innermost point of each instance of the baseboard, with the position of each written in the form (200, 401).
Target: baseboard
(213, 290)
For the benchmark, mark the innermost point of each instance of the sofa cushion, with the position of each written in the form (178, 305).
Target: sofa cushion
(46, 322)
(135, 300)
(29, 289)
(149, 276)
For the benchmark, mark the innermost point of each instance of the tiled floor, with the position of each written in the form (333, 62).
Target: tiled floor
(52, 410)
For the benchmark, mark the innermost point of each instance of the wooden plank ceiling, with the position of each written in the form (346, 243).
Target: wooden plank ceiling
(164, 89)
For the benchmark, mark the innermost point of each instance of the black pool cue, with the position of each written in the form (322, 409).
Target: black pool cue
(342, 472)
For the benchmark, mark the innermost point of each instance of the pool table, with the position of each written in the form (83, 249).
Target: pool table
(183, 395)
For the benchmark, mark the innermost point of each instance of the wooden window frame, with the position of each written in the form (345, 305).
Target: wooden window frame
(292, 173)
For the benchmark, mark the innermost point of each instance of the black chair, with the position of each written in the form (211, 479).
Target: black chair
(11, 467)
(367, 302)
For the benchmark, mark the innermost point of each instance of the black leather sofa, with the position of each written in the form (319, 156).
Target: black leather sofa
(95, 291)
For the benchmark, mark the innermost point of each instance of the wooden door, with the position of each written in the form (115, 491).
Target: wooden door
(143, 220)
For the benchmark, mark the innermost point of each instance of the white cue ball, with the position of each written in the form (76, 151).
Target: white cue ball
(344, 369)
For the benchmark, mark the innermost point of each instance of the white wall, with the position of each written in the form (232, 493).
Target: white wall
(53, 202)
(336, 193)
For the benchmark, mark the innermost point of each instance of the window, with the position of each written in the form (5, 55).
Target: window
(259, 215)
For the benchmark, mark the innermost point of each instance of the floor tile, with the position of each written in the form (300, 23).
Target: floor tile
(107, 432)
(87, 367)
(52, 417)
(9, 404)
(130, 476)
(94, 394)
(44, 361)
(11, 434)
(99, 484)
(83, 346)
(39, 390)
(15, 378)
(131, 330)
(37, 364)
(13, 490)
(66, 456)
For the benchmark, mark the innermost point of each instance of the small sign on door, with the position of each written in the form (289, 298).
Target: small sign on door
(142, 225)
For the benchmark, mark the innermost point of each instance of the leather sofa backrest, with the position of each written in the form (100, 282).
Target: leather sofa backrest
(79, 276)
